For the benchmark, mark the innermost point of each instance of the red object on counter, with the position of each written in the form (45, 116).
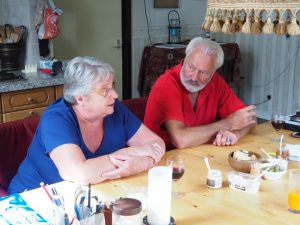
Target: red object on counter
(48, 71)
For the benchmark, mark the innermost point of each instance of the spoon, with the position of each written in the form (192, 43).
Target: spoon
(280, 144)
(267, 154)
(260, 175)
(265, 171)
(207, 163)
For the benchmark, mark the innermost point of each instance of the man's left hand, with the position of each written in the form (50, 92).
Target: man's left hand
(225, 137)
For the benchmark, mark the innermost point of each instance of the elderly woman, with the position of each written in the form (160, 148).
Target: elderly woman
(87, 136)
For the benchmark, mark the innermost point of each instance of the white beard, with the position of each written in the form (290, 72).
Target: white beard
(191, 86)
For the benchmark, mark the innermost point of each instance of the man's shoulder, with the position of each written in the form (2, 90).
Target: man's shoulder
(218, 78)
(171, 75)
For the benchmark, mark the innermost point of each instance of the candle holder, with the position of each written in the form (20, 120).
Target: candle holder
(172, 221)
(159, 195)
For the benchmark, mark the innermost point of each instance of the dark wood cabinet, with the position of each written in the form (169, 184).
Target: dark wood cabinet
(156, 60)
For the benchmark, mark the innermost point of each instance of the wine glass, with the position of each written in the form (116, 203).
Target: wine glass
(277, 121)
(176, 162)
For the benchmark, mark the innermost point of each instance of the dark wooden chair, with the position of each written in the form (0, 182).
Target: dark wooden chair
(137, 106)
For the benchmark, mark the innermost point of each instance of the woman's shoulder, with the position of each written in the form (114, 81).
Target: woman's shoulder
(120, 109)
(58, 111)
(59, 105)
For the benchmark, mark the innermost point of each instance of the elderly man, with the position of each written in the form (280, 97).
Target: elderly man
(190, 104)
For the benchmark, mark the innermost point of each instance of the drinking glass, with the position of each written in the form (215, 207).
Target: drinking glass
(176, 162)
(277, 121)
(294, 191)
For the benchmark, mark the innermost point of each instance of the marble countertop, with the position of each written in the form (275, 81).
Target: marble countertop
(31, 80)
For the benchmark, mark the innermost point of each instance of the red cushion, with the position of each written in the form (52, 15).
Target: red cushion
(15, 138)
(137, 106)
(3, 192)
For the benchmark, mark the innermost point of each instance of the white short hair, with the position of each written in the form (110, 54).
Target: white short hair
(209, 47)
(81, 74)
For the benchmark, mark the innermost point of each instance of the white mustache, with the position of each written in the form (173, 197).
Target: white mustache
(192, 82)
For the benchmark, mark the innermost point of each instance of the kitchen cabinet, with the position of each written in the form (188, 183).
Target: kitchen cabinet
(59, 90)
(25, 103)
(7, 117)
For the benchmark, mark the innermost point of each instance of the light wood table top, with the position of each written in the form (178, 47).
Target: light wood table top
(202, 205)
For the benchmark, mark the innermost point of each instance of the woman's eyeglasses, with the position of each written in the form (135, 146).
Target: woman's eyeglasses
(106, 91)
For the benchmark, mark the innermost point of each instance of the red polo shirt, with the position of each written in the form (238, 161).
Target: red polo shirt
(169, 100)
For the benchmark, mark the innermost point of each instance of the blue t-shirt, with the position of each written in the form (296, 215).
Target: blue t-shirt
(58, 125)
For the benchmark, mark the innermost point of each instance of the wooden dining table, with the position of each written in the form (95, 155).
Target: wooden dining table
(203, 205)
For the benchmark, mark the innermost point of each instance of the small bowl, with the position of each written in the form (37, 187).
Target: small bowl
(242, 165)
(281, 162)
(271, 175)
(243, 182)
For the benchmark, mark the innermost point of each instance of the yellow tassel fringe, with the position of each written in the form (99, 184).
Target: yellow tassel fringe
(229, 21)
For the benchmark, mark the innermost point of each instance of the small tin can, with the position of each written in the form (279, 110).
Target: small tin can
(214, 179)
(127, 211)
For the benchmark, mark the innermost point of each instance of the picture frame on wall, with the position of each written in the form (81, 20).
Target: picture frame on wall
(166, 3)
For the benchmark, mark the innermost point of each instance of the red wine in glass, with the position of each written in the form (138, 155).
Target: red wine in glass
(177, 173)
(176, 162)
(277, 121)
(278, 124)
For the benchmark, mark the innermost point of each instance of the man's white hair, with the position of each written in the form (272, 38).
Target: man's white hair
(209, 47)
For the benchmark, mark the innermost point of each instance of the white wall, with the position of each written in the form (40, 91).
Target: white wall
(265, 58)
(270, 68)
(191, 13)
(93, 30)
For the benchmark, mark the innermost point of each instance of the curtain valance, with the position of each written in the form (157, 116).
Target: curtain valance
(252, 16)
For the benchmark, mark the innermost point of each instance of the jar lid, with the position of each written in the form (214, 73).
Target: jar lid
(214, 173)
(127, 206)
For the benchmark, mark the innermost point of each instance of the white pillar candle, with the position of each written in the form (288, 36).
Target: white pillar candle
(159, 195)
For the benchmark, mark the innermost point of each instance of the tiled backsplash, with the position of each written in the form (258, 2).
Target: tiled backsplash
(22, 12)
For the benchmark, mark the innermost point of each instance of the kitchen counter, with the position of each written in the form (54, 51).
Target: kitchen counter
(30, 81)
(29, 95)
